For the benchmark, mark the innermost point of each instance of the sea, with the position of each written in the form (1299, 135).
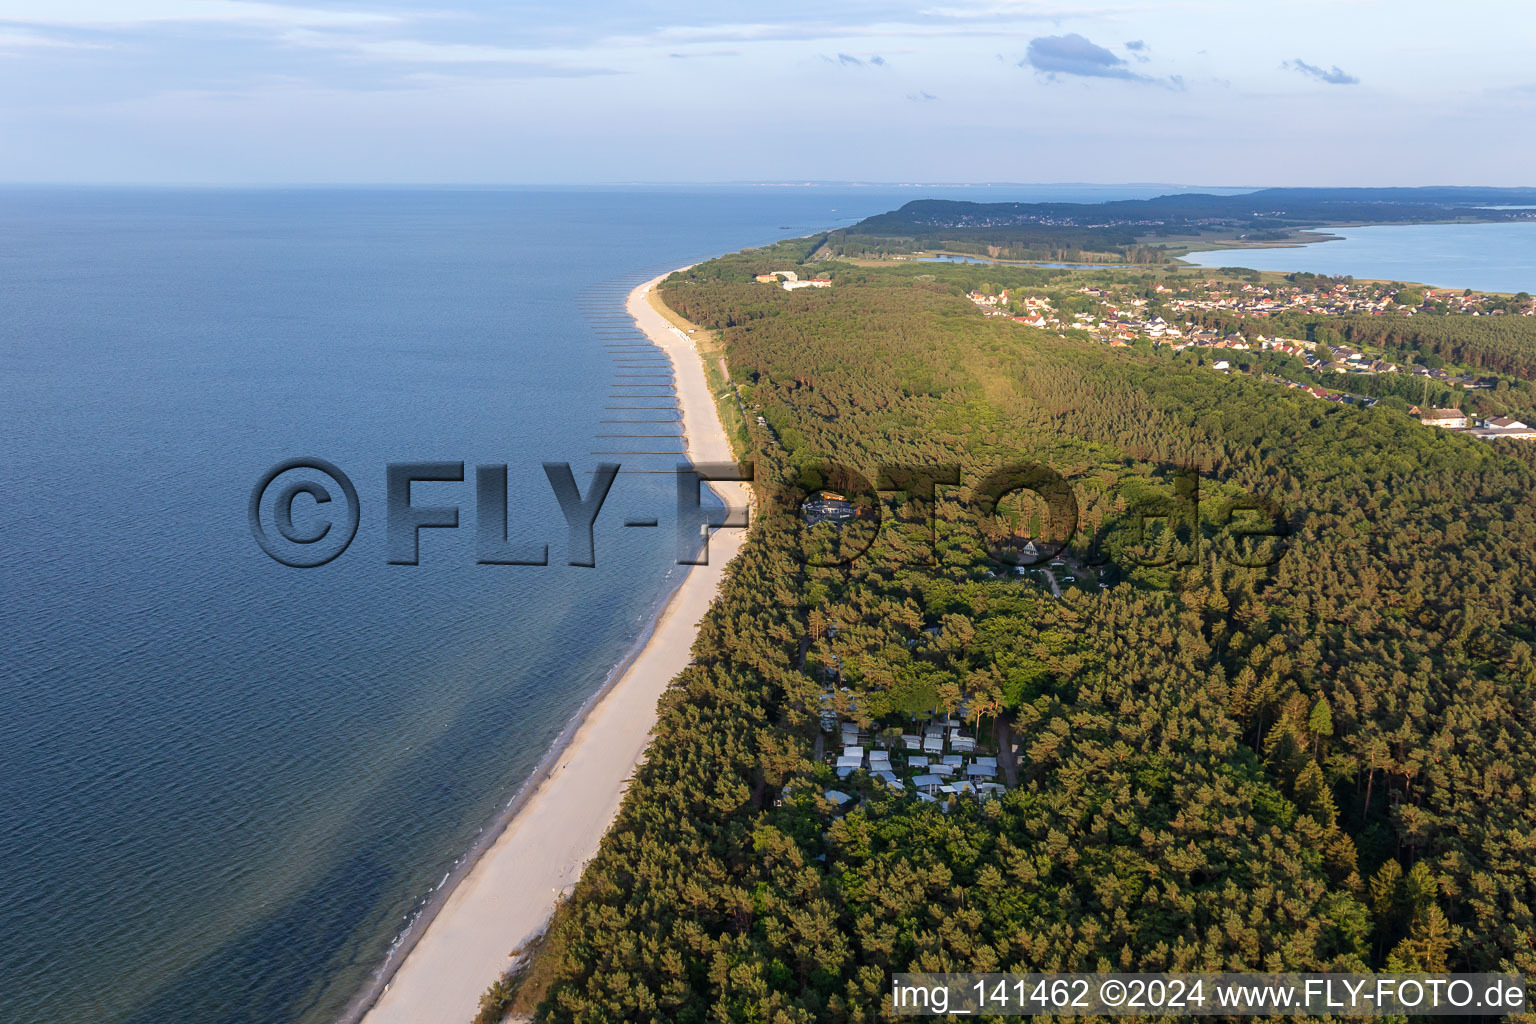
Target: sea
(229, 785)
(1484, 257)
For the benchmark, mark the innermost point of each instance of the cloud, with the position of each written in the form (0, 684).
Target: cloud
(1333, 75)
(1033, 9)
(706, 53)
(509, 60)
(1136, 44)
(1072, 54)
(920, 26)
(114, 13)
(15, 41)
(848, 60)
(921, 97)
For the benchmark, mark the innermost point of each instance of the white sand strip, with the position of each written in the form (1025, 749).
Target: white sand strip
(510, 892)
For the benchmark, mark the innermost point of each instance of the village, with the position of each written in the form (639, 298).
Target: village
(939, 762)
(935, 761)
(1121, 319)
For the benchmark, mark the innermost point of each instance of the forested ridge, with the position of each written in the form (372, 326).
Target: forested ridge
(1321, 763)
(1129, 229)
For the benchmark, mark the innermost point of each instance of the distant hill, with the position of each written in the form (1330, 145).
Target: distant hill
(1269, 207)
(1131, 228)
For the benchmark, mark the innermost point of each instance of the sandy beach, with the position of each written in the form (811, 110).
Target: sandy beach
(507, 896)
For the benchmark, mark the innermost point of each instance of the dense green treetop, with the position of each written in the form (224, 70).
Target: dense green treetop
(1323, 762)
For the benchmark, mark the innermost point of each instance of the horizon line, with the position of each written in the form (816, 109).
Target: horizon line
(808, 184)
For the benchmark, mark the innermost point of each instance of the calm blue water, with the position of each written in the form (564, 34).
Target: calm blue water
(1487, 257)
(226, 785)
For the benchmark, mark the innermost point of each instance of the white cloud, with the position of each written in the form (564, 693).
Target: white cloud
(12, 41)
(814, 31)
(417, 51)
(1017, 9)
(121, 14)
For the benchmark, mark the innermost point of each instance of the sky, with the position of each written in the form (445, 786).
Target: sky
(1216, 92)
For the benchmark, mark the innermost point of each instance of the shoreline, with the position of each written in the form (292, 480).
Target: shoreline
(508, 884)
(363, 1003)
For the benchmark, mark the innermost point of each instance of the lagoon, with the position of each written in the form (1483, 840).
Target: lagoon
(1485, 257)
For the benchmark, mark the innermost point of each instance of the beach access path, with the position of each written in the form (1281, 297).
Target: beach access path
(508, 895)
